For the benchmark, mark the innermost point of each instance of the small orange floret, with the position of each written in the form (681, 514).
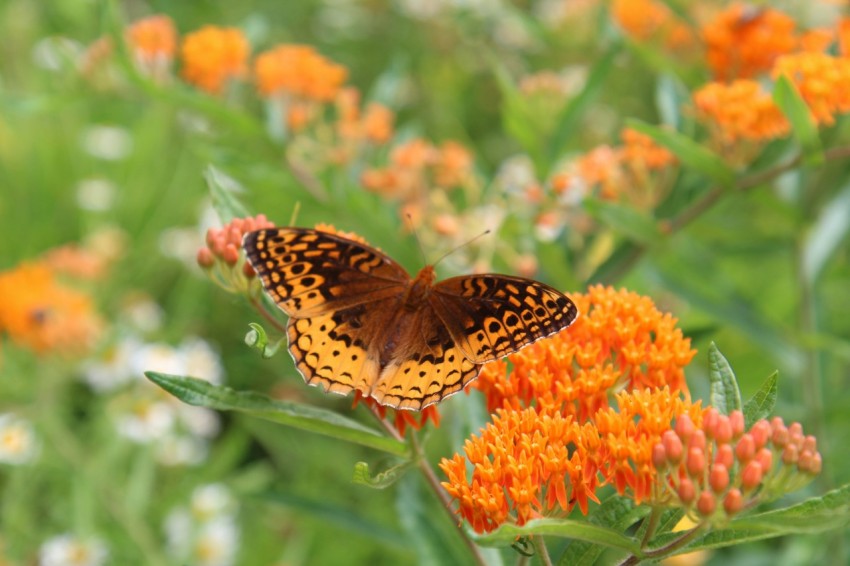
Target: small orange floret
(740, 110)
(213, 55)
(823, 82)
(640, 18)
(744, 41)
(298, 70)
(153, 38)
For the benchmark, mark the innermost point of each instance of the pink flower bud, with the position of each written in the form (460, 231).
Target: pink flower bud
(696, 461)
(733, 502)
(746, 448)
(684, 427)
(810, 443)
(706, 504)
(231, 254)
(761, 433)
(709, 421)
(765, 458)
(718, 478)
(752, 475)
(205, 258)
(248, 271)
(659, 456)
(736, 418)
(686, 491)
(790, 455)
(698, 440)
(725, 455)
(780, 436)
(672, 446)
(723, 429)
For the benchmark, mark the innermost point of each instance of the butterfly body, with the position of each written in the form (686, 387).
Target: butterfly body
(358, 321)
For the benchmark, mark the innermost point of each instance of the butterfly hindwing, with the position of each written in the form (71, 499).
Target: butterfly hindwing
(308, 272)
(491, 316)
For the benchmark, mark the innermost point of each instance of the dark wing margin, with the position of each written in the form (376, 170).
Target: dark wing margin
(309, 272)
(491, 316)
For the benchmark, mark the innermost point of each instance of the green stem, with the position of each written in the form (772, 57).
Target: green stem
(541, 550)
(651, 525)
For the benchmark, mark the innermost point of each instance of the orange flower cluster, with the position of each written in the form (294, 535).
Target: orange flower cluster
(653, 20)
(298, 70)
(740, 110)
(743, 41)
(213, 55)
(40, 313)
(417, 166)
(153, 39)
(223, 252)
(823, 82)
(523, 466)
(619, 339)
(401, 419)
(701, 463)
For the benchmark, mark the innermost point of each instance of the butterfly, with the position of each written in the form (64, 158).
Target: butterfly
(358, 321)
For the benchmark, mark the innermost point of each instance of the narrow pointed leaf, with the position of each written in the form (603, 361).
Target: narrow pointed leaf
(223, 190)
(803, 126)
(618, 513)
(725, 395)
(566, 528)
(760, 406)
(304, 417)
(691, 154)
(624, 219)
(827, 235)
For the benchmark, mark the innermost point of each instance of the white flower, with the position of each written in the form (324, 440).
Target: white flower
(211, 500)
(17, 440)
(181, 450)
(143, 314)
(114, 368)
(199, 421)
(149, 420)
(201, 360)
(56, 53)
(216, 543)
(68, 550)
(159, 357)
(109, 143)
(95, 194)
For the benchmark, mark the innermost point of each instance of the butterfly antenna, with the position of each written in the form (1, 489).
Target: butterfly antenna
(416, 237)
(295, 210)
(466, 243)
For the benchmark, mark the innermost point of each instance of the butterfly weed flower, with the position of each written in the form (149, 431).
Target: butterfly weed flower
(822, 80)
(298, 71)
(620, 340)
(153, 43)
(744, 41)
(740, 111)
(45, 315)
(211, 56)
(714, 468)
(222, 257)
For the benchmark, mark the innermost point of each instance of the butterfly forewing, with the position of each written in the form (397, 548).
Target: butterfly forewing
(490, 316)
(309, 272)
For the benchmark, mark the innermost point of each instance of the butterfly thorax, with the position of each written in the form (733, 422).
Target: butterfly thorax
(419, 288)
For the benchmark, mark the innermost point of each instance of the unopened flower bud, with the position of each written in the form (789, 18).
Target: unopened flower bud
(746, 448)
(672, 446)
(733, 502)
(752, 475)
(718, 478)
(706, 504)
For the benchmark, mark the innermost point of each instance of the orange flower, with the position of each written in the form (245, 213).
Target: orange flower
(222, 255)
(740, 110)
(524, 465)
(630, 432)
(601, 166)
(300, 71)
(44, 315)
(378, 123)
(743, 41)
(843, 33)
(153, 38)
(640, 151)
(823, 82)
(453, 165)
(640, 18)
(77, 262)
(213, 55)
(619, 338)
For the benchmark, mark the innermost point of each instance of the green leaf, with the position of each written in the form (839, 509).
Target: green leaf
(691, 154)
(223, 190)
(336, 515)
(670, 97)
(258, 339)
(761, 405)
(725, 394)
(625, 220)
(816, 515)
(570, 116)
(517, 119)
(381, 480)
(566, 528)
(827, 235)
(204, 394)
(618, 513)
(803, 126)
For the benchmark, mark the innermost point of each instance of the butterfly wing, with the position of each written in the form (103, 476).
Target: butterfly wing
(424, 364)
(490, 316)
(309, 272)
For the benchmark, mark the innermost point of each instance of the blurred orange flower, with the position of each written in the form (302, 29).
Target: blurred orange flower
(640, 151)
(42, 314)
(823, 82)
(153, 38)
(740, 110)
(300, 71)
(640, 18)
(743, 41)
(213, 55)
